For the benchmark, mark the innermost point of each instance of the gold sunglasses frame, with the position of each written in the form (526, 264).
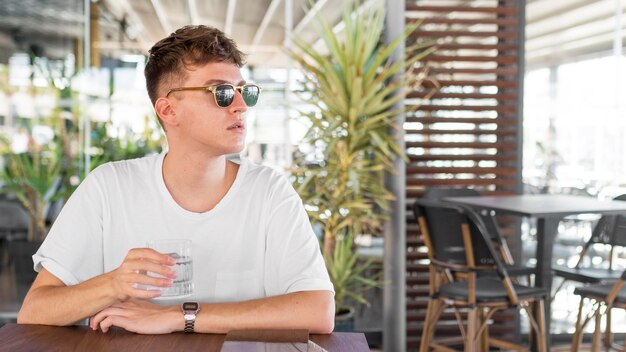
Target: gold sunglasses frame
(211, 89)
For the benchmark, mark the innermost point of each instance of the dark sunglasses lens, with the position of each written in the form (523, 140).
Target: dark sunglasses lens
(224, 95)
(250, 95)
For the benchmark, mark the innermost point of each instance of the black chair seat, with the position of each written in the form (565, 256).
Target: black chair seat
(488, 290)
(601, 291)
(587, 275)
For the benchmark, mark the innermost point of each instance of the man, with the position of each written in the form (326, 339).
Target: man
(257, 263)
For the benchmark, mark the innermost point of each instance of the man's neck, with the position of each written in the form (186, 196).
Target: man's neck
(197, 181)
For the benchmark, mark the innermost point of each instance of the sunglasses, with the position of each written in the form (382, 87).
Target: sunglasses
(224, 93)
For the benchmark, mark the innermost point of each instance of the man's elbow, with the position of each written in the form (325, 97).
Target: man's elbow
(23, 317)
(325, 322)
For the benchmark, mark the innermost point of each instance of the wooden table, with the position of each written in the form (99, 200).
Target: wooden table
(14, 337)
(549, 210)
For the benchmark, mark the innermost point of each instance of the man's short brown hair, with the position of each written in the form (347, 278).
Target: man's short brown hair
(187, 46)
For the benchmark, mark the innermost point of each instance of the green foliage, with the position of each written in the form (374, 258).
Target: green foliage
(132, 145)
(348, 273)
(34, 178)
(355, 105)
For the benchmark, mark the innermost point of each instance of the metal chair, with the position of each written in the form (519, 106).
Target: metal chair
(459, 248)
(491, 226)
(604, 297)
(609, 231)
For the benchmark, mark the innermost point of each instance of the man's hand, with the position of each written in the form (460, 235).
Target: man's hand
(133, 272)
(139, 316)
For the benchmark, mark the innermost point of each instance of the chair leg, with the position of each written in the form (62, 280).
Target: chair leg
(483, 339)
(432, 316)
(424, 344)
(470, 334)
(608, 335)
(578, 334)
(540, 319)
(597, 331)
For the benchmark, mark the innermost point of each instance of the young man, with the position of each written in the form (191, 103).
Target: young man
(257, 263)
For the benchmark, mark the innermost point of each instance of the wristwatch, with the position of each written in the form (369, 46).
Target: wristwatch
(190, 310)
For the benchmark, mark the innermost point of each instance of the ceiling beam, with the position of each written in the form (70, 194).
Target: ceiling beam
(137, 25)
(265, 22)
(309, 16)
(230, 16)
(192, 12)
(162, 16)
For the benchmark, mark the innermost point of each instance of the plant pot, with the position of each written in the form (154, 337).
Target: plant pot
(21, 253)
(344, 320)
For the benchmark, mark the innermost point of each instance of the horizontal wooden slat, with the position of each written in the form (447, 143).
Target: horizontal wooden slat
(500, 59)
(472, 83)
(470, 145)
(435, 71)
(475, 46)
(440, 95)
(414, 170)
(472, 157)
(477, 34)
(498, 108)
(429, 132)
(475, 120)
(460, 182)
(500, 10)
(506, 21)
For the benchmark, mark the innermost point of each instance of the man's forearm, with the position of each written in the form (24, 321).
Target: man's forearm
(311, 310)
(52, 304)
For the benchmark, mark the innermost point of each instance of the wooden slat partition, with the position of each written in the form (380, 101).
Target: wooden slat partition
(466, 134)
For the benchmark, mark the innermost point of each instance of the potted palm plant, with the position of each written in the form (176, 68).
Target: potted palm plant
(350, 89)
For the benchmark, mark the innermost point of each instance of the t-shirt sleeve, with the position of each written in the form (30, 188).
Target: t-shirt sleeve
(72, 250)
(294, 261)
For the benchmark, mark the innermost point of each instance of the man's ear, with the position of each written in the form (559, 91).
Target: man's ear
(166, 112)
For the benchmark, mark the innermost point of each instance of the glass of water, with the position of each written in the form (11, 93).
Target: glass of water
(180, 250)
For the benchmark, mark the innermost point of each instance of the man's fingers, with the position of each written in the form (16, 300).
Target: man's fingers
(103, 314)
(134, 279)
(150, 254)
(144, 266)
(145, 293)
(116, 320)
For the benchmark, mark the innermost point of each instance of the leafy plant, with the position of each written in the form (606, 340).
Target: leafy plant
(348, 273)
(354, 97)
(35, 179)
(129, 146)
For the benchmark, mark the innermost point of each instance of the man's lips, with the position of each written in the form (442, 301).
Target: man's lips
(236, 126)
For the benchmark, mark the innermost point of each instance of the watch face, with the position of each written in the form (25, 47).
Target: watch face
(190, 305)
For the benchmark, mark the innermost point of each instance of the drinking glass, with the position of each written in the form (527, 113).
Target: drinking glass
(180, 250)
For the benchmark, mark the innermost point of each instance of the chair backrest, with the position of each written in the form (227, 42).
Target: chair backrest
(13, 217)
(444, 233)
(610, 229)
(437, 193)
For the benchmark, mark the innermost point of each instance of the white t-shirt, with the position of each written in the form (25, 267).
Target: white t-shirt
(257, 242)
